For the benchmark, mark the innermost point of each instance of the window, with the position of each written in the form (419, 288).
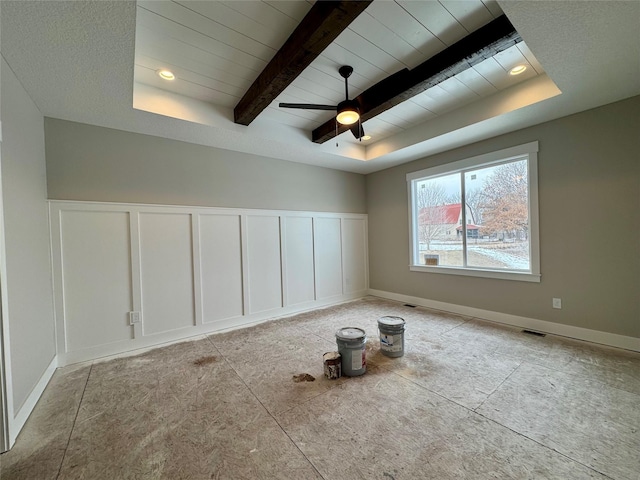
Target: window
(495, 235)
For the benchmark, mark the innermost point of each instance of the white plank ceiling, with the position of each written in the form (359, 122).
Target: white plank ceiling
(216, 49)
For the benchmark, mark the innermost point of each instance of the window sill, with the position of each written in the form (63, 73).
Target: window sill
(478, 272)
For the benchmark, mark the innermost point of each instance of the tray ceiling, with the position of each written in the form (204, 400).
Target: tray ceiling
(96, 62)
(217, 49)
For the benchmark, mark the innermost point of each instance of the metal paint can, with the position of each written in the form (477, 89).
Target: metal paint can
(332, 365)
(352, 347)
(391, 331)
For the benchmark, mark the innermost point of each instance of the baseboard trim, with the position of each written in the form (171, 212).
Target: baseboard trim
(579, 333)
(18, 421)
(147, 342)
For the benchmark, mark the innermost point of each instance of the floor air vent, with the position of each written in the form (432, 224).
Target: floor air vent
(409, 305)
(537, 334)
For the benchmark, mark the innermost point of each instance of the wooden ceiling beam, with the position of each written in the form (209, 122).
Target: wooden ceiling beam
(496, 36)
(321, 26)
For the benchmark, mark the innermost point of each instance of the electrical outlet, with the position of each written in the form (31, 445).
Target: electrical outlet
(134, 317)
(557, 303)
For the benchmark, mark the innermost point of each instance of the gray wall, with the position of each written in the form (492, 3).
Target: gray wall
(86, 162)
(26, 230)
(589, 206)
(589, 188)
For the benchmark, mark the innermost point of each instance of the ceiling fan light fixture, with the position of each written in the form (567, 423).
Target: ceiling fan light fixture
(348, 112)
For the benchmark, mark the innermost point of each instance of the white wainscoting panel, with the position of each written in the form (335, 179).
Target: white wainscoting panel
(354, 254)
(221, 267)
(96, 264)
(166, 267)
(328, 250)
(298, 256)
(263, 258)
(192, 270)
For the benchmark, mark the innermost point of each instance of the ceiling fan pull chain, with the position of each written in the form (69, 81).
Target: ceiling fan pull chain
(336, 132)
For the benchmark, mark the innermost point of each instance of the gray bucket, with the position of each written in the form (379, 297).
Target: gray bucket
(352, 347)
(391, 336)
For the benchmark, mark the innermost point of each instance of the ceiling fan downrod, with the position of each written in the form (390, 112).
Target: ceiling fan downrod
(345, 72)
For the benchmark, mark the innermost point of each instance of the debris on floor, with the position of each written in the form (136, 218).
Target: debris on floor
(205, 361)
(304, 377)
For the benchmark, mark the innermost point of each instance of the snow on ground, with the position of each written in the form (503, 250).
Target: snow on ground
(512, 261)
(509, 260)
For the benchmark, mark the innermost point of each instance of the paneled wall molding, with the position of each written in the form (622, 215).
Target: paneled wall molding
(184, 271)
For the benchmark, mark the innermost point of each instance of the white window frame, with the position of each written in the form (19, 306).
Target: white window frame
(529, 152)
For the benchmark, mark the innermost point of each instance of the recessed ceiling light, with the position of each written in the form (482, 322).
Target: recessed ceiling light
(166, 74)
(517, 70)
(366, 137)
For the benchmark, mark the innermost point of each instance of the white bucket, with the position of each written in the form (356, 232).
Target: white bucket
(391, 336)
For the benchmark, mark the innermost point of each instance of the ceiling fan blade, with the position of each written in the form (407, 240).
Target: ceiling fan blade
(357, 130)
(308, 106)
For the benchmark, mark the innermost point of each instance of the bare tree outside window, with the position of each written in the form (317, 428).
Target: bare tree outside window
(499, 200)
(438, 217)
(474, 199)
(430, 197)
(504, 203)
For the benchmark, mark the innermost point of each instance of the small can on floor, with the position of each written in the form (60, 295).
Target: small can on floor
(332, 365)
(391, 336)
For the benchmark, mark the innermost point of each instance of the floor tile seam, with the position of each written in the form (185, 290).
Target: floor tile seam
(321, 337)
(498, 387)
(273, 417)
(540, 364)
(213, 344)
(75, 419)
(444, 334)
(219, 352)
(227, 361)
(423, 387)
(274, 361)
(454, 327)
(455, 341)
(582, 375)
(523, 359)
(546, 447)
(253, 393)
(294, 443)
(331, 387)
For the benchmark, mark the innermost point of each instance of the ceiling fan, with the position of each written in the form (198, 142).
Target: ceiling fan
(348, 110)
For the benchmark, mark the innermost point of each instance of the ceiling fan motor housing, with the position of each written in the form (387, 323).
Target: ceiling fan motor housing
(345, 71)
(348, 112)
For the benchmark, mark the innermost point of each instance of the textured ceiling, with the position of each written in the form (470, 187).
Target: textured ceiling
(76, 60)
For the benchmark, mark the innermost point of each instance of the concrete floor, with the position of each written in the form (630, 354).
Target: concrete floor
(469, 399)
